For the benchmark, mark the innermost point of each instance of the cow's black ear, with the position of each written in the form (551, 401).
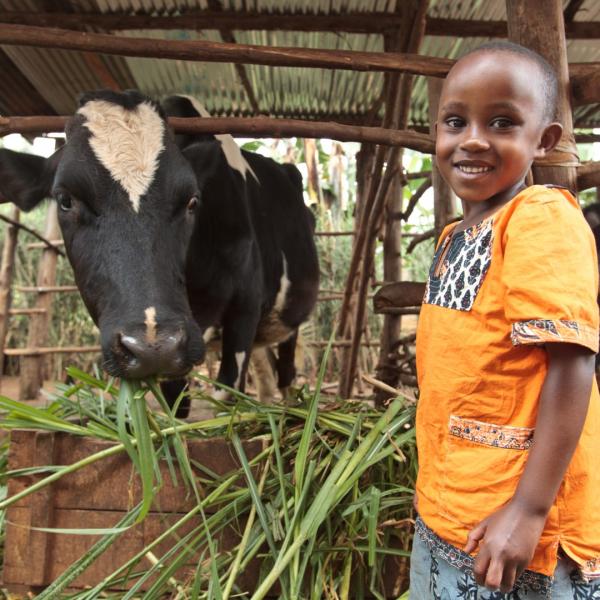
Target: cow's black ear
(204, 159)
(25, 179)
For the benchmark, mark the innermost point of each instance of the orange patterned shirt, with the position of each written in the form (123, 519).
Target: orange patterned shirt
(525, 276)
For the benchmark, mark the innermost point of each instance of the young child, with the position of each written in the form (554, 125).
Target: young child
(508, 423)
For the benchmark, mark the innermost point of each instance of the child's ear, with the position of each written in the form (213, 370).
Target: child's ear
(550, 138)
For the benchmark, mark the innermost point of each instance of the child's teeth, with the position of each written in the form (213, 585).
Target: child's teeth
(466, 169)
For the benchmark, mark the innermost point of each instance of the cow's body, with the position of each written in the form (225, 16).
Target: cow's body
(168, 244)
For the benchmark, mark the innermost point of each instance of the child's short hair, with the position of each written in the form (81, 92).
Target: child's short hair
(549, 78)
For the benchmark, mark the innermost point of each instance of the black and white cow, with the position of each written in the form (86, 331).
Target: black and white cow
(168, 242)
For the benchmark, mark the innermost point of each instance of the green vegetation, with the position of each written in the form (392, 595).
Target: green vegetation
(322, 506)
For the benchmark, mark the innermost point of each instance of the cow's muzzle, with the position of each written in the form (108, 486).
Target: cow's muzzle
(134, 357)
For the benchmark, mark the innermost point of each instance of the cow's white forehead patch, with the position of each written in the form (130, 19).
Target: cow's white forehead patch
(126, 142)
(233, 154)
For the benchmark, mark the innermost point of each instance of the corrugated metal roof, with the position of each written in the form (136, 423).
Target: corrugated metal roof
(60, 76)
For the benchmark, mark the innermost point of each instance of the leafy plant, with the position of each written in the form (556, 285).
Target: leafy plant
(324, 502)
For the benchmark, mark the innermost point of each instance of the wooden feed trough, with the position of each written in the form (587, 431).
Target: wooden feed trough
(98, 496)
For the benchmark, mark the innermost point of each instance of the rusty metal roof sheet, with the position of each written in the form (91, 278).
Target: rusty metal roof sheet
(51, 80)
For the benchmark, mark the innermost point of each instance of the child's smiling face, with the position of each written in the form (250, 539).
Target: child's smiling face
(491, 126)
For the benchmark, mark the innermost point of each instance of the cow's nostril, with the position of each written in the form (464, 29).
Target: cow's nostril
(138, 358)
(131, 344)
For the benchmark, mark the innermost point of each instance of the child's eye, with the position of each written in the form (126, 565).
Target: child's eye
(454, 122)
(501, 123)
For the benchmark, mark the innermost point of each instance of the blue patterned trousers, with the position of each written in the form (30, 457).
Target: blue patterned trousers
(432, 578)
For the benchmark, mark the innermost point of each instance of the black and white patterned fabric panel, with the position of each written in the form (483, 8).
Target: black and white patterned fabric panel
(463, 269)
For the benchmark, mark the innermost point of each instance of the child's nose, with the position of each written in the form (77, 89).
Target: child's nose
(475, 143)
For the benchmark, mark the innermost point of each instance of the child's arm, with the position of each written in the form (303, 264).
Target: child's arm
(507, 539)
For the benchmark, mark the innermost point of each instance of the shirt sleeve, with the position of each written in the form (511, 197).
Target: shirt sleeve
(550, 273)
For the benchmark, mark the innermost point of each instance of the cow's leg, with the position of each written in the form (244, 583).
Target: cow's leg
(286, 368)
(239, 330)
(262, 367)
(171, 391)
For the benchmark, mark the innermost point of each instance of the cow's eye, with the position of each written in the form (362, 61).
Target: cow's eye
(65, 201)
(193, 203)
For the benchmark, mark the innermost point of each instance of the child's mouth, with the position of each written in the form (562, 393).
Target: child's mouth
(473, 170)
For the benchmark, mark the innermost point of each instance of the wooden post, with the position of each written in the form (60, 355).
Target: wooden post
(443, 196)
(6, 274)
(539, 25)
(397, 104)
(387, 369)
(32, 367)
(312, 168)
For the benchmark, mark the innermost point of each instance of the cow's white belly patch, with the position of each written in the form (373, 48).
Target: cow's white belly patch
(126, 142)
(271, 328)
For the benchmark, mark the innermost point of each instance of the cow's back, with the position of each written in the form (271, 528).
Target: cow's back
(284, 227)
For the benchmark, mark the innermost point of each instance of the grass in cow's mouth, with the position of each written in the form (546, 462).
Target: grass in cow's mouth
(323, 503)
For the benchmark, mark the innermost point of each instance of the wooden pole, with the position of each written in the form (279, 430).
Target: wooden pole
(392, 271)
(41, 37)
(396, 113)
(386, 370)
(588, 175)
(443, 196)
(539, 25)
(257, 127)
(32, 367)
(350, 22)
(6, 274)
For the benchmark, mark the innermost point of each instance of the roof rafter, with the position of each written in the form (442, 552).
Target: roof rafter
(376, 22)
(228, 37)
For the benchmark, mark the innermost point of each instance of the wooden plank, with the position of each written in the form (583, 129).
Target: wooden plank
(401, 294)
(66, 549)
(27, 551)
(116, 473)
(87, 499)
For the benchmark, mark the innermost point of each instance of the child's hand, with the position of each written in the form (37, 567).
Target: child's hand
(507, 540)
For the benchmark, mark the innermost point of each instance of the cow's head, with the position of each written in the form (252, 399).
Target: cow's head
(127, 201)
